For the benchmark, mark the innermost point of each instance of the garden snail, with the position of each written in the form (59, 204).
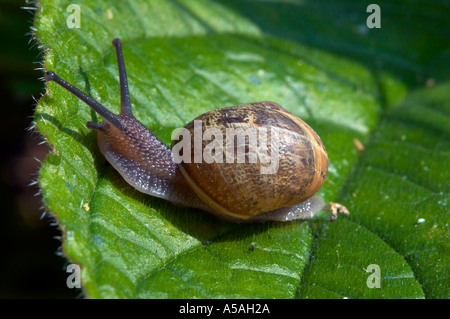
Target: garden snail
(235, 191)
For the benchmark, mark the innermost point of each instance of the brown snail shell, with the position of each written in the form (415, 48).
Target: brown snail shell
(239, 189)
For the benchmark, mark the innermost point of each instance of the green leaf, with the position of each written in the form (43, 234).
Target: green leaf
(184, 58)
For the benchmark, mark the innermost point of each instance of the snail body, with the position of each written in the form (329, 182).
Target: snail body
(288, 167)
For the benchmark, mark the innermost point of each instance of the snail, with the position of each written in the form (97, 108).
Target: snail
(234, 191)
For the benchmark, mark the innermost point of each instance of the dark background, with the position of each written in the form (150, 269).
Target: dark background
(30, 266)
